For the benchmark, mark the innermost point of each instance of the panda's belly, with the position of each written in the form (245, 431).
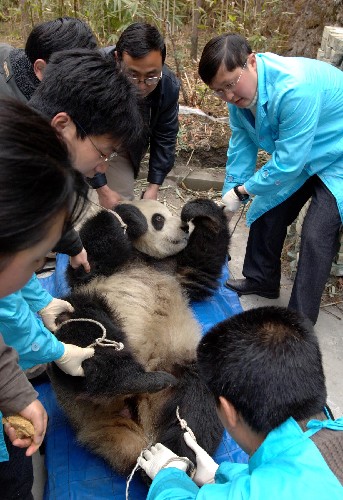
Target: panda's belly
(158, 322)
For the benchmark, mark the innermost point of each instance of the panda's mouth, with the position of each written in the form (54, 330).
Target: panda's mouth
(180, 241)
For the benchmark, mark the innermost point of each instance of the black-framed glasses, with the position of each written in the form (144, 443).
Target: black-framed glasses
(103, 157)
(152, 80)
(229, 86)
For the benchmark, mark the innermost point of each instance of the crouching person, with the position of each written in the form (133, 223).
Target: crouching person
(264, 368)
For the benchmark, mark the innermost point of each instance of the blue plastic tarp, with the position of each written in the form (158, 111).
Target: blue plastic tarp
(75, 473)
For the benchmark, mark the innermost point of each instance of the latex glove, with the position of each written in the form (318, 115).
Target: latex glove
(206, 466)
(37, 415)
(50, 312)
(72, 358)
(158, 457)
(231, 201)
(81, 259)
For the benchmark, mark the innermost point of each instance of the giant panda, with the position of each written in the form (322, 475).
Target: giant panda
(147, 265)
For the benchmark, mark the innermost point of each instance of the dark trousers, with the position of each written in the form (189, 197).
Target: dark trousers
(319, 244)
(16, 475)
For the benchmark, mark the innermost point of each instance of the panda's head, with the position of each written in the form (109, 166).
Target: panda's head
(165, 234)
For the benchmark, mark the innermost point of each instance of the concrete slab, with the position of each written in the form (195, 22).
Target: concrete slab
(198, 179)
(329, 327)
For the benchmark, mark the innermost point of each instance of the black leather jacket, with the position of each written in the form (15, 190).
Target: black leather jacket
(160, 109)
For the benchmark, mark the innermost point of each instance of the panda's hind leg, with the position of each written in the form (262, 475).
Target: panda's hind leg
(116, 438)
(197, 406)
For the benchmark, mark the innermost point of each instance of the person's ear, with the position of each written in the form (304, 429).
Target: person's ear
(64, 125)
(39, 67)
(252, 61)
(228, 411)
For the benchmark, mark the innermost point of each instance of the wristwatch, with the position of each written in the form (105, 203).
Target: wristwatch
(240, 196)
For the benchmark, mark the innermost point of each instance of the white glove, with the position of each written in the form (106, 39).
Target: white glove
(206, 466)
(160, 457)
(72, 358)
(50, 312)
(231, 201)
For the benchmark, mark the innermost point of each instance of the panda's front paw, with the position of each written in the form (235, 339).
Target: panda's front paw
(202, 211)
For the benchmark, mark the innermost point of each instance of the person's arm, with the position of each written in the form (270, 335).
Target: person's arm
(232, 482)
(35, 295)
(35, 344)
(39, 300)
(241, 155)
(16, 392)
(18, 396)
(163, 142)
(24, 331)
(71, 244)
(297, 112)
(107, 197)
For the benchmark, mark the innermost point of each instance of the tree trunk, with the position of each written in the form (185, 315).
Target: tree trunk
(25, 18)
(194, 35)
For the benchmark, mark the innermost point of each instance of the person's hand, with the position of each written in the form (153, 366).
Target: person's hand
(206, 466)
(80, 259)
(151, 192)
(50, 312)
(37, 415)
(231, 201)
(72, 358)
(158, 457)
(108, 198)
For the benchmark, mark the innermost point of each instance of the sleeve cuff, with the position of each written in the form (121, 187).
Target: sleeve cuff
(97, 181)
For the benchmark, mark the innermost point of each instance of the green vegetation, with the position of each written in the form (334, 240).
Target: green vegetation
(257, 19)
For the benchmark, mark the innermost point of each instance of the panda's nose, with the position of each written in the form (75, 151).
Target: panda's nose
(185, 227)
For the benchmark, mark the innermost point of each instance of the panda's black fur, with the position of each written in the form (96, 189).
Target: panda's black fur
(141, 281)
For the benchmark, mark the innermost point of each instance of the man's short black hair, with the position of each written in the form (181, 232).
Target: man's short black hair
(230, 49)
(139, 39)
(62, 33)
(89, 87)
(267, 363)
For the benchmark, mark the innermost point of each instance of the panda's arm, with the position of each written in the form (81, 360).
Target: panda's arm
(199, 265)
(108, 248)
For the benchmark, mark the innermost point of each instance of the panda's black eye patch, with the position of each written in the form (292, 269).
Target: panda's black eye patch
(157, 220)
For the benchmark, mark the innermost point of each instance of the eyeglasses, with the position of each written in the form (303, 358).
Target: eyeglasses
(152, 80)
(103, 157)
(229, 86)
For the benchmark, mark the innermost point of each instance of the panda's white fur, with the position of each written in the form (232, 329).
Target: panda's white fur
(163, 330)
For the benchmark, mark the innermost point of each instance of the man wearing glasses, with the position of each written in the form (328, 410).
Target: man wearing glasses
(140, 53)
(291, 107)
(94, 109)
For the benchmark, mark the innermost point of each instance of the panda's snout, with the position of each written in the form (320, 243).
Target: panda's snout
(185, 227)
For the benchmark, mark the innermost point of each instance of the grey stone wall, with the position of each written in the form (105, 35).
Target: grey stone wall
(331, 49)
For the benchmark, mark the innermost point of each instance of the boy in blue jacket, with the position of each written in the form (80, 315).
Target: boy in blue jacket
(265, 370)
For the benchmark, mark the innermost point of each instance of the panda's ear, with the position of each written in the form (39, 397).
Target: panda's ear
(136, 222)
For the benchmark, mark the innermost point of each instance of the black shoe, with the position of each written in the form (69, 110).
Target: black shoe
(251, 287)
